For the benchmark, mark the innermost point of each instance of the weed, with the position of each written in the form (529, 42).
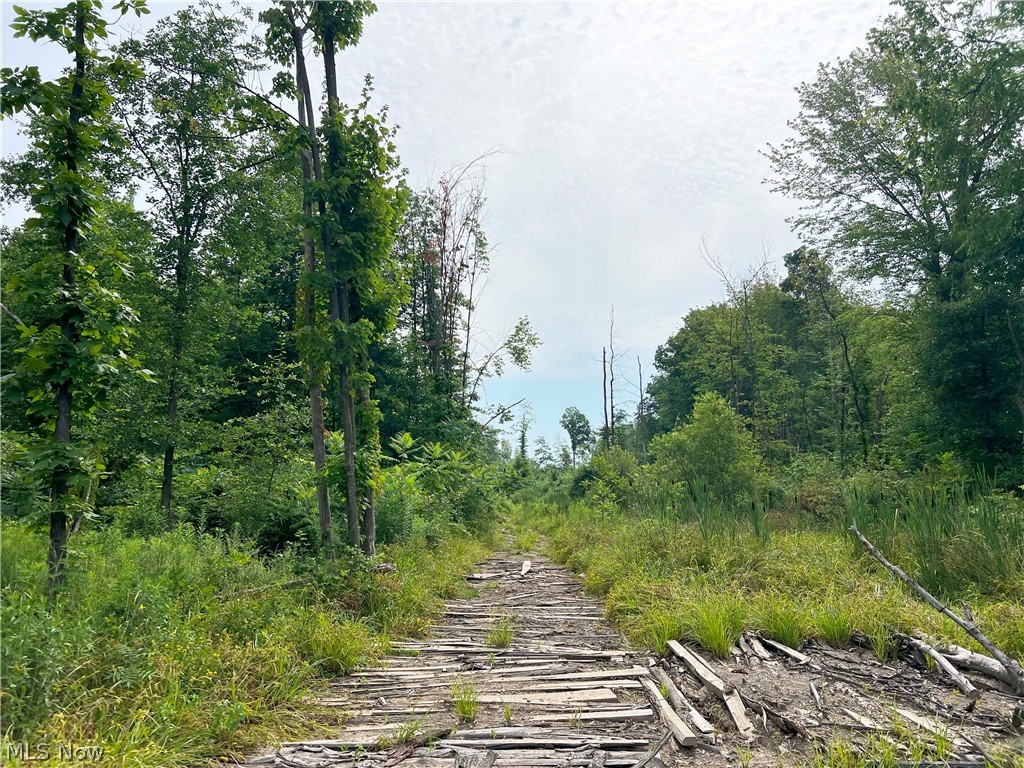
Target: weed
(403, 734)
(834, 624)
(508, 714)
(718, 623)
(465, 699)
(500, 634)
(783, 622)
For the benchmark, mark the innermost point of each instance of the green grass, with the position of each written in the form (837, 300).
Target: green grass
(179, 648)
(501, 633)
(662, 579)
(464, 698)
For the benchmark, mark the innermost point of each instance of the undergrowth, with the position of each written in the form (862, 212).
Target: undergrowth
(664, 580)
(178, 648)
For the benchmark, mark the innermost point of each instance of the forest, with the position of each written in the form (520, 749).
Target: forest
(246, 448)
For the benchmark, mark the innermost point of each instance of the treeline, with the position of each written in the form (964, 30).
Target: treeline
(228, 308)
(894, 338)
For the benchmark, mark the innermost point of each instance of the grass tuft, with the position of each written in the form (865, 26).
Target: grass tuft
(465, 699)
(501, 632)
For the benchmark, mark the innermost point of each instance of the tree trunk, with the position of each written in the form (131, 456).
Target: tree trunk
(69, 324)
(604, 393)
(309, 319)
(341, 308)
(167, 486)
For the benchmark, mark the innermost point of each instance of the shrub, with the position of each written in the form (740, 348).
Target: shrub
(713, 450)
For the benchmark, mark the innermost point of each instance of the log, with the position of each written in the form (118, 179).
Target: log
(683, 735)
(944, 664)
(965, 658)
(682, 704)
(1013, 669)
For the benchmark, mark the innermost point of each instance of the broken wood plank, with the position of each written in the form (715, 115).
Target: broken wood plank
(611, 715)
(734, 703)
(792, 653)
(700, 669)
(554, 697)
(683, 735)
(682, 704)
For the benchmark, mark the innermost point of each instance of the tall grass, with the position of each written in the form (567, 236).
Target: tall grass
(182, 647)
(665, 578)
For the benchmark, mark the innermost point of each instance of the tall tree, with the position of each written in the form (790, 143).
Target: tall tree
(76, 350)
(287, 31)
(197, 134)
(911, 152)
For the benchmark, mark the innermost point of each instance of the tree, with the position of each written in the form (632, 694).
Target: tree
(581, 435)
(198, 134)
(910, 152)
(78, 348)
(287, 29)
(712, 451)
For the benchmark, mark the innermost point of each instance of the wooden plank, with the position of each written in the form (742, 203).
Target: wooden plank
(552, 741)
(633, 671)
(683, 735)
(792, 653)
(554, 697)
(611, 715)
(682, 704)
(734, 704)
(700, 669)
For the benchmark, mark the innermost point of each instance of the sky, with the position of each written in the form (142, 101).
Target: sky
(622, 134)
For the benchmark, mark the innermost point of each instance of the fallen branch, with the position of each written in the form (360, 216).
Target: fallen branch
(944, 664)
(1015, 675)
(654, 751)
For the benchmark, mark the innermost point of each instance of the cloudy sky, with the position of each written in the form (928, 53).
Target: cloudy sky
(624, 134)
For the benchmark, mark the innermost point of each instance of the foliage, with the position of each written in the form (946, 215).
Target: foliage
(712, 452)
(172, 649)
(662, 580)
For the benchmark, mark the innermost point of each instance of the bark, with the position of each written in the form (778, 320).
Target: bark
(309, 264)
(69, 319)
(341, 308)
(604, 392)
(1015, 675)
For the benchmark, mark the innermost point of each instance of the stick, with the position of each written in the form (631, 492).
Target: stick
(1016, 674)
(958, 679)
(654, 751)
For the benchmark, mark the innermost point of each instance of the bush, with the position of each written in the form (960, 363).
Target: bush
(713, 451)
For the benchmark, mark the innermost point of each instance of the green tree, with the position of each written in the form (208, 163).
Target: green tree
(581, 434)
(910, 153)
(197, 136)
(78, 348)
(712, 450)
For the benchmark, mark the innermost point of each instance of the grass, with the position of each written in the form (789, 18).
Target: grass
(464, 697)
(507, 711)
(181, 648)
(663, 579)
(501, 633)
